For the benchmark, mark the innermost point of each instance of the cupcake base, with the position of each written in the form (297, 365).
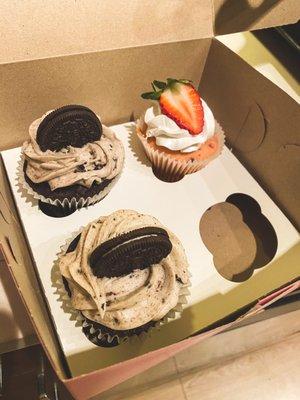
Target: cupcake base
(68, 192)
(172, 166)
(100, 334)
(55, 211)
(65, 200)
(164, 176)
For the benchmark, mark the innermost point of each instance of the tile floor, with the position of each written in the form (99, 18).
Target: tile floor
(259, 361)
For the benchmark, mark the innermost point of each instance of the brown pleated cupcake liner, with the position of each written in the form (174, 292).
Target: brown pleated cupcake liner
(95, 334)
(67, 204)
(170, 169)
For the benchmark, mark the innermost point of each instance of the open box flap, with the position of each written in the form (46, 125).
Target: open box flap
(18, 260)
(32, 29)
(40, 29)
(108, 82)
(99, 381)
(261, 123)
(248, 15)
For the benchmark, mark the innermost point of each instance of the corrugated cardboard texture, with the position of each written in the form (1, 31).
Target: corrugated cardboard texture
(273, 157)
(247, 15)
(31, 29)
(110, 83)
(18, 259)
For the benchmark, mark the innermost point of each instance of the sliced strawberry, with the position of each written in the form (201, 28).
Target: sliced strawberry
(180, 101)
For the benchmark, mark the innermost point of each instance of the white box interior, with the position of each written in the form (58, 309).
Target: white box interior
(178, 205)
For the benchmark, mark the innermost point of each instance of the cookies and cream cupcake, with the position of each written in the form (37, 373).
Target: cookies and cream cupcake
(179, 133)
(124, 273)
(71, 157)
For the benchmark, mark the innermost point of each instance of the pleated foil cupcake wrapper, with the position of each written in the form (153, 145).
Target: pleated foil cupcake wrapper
(66, 204)
(80, 320)
(167, 167)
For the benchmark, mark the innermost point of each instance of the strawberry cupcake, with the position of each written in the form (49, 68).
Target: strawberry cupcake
(179, 133)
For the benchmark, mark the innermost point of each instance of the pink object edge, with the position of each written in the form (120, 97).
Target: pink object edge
(94, 383)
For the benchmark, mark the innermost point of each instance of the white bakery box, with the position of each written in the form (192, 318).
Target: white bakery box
(104, 55)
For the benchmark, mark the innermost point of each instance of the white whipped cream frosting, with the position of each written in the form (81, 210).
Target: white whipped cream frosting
(168, 134)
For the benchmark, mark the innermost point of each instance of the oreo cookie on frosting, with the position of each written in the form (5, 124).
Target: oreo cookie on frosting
(136, 249)
(71, 159)
(71, 125)
(125, 273)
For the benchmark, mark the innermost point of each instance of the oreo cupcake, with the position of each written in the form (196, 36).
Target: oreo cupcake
(124, 274)
(71, 159)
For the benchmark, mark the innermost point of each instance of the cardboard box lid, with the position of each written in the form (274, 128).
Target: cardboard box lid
(263, 134)
(40, 29)
(248, 15)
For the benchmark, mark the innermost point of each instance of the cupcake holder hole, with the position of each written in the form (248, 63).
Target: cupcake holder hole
(239, 236)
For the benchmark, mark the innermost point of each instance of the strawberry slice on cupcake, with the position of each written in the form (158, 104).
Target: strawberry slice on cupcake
(180, 101)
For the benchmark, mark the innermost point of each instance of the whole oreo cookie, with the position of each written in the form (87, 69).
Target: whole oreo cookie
(137, 249)
(71, 125)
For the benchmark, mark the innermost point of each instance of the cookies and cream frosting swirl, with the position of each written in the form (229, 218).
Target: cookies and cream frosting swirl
(94, 162)
(128, 301)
